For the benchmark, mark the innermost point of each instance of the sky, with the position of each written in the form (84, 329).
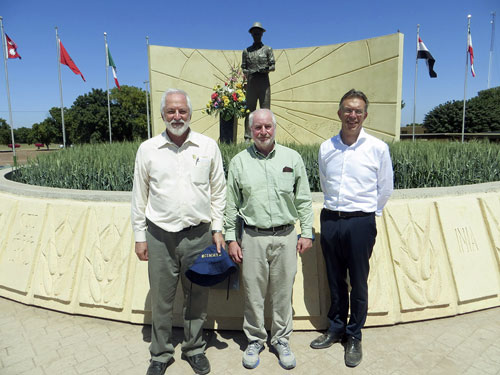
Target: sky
(34, 85)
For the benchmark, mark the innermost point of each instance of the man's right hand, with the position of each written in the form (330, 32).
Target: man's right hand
(141, 249)
(234, 251)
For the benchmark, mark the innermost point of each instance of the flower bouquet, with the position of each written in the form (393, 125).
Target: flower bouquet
(229, 101)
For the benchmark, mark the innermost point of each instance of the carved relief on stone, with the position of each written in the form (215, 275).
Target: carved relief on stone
(379, 291)
(491, 208)
(469, 247)
(60, 251)
(418, 255)
(20, 247)
(107, 254)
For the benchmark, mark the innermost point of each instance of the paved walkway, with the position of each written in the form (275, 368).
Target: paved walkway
(39, 341)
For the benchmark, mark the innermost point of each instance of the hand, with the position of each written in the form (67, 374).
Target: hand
(235, 252)
(304, 244)
(141, 249)
(218, 240)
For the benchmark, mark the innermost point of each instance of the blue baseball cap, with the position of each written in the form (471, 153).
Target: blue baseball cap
(211, 267)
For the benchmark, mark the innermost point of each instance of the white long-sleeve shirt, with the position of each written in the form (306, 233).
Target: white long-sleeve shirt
(177, 187)
(357, 177)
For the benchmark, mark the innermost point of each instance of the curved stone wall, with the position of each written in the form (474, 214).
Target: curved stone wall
(305, 88)
(437, 254)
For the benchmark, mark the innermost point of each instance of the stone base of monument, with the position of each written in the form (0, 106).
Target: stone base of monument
(437, 254)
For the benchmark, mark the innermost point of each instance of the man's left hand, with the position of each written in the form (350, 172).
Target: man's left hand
(218, 240)
(304, 244)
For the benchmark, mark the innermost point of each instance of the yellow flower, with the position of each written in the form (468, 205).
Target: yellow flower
(238, 85)
(226, 101)
(242, 110)
(248, 111)
(224, 97)
(240, 99)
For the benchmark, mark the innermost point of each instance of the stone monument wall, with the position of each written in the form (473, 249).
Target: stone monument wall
(305, 88)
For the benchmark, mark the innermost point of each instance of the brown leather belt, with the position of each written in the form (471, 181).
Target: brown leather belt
(345, 214)
(271, 230)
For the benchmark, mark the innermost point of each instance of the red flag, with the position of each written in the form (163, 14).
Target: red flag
(11, 48)
(66, 60)
(471, 53)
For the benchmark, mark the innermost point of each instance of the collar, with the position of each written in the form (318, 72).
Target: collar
(261, 155)
(191, 138)
(361, 139)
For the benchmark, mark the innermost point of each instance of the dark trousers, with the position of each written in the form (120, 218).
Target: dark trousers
(258, 89)
(170, 255)
(347, 245)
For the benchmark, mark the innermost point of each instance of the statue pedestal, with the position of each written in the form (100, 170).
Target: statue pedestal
(227, 130)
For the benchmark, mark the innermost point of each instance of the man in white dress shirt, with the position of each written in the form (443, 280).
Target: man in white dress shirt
(357, 180)
(178, 200)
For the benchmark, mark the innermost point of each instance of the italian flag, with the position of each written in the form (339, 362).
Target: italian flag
(111, 63)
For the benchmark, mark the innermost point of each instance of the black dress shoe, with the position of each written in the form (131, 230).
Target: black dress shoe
(326, 340)
(353, 352)
(158, 368)
(199, 363)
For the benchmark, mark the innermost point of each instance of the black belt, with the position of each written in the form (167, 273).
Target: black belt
(185, 229)
(272, 230)
(346, 214)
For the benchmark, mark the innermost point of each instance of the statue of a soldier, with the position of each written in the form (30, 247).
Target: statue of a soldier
(257, 62)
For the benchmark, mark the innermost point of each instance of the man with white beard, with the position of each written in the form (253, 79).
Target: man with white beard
(178, 201)
(267, 188)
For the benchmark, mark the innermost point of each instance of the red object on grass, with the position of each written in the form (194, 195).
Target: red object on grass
(17, 145)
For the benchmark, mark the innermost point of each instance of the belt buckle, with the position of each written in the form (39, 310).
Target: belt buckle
(342, 214)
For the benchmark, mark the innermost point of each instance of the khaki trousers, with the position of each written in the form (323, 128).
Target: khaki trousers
(170, 255)
(269, 264)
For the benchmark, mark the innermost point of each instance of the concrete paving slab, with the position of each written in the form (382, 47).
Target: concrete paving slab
(38, 341)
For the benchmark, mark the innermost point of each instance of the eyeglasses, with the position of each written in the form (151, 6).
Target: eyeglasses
(348, 111)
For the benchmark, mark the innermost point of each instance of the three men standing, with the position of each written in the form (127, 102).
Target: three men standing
(178, 200)
(268, 190)
(256, 63)
(357, 180)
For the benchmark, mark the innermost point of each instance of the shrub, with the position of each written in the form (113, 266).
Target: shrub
(416, 165)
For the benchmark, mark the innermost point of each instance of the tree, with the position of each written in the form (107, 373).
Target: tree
(89, 115)
(5, 136)
(49, 130)
(23, 135)
(482, 114)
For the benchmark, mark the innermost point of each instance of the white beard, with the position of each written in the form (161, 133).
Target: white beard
(176, 130)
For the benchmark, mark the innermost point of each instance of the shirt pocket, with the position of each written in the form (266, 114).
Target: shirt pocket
(286, 183)
(201, 171)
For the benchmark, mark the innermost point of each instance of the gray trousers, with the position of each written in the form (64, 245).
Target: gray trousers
(170, 255)
(269, 264)
(258, 88)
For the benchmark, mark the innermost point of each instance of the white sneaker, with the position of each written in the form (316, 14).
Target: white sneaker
(286, 356)
(251, 354)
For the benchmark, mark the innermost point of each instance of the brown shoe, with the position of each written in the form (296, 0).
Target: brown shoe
(326, 340)
(353, 352)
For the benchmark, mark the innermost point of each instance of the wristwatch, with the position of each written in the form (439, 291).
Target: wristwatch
(216, 231)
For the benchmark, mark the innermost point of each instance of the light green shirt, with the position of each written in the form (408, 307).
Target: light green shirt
(268, 191)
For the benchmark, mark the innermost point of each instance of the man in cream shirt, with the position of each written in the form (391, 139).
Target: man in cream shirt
(178, 200)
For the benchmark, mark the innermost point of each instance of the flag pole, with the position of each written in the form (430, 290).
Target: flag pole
(60, 86)
(415, 87)
(5, 57)
(493, 14)
(107, 83)
(465, 80)
(147, 108)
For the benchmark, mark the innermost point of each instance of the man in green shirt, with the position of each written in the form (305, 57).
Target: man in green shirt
(267, 188)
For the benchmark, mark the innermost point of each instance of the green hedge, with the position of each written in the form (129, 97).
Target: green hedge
(416, 165)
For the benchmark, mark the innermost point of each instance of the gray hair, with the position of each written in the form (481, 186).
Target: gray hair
(175, 91)
(251, 115)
